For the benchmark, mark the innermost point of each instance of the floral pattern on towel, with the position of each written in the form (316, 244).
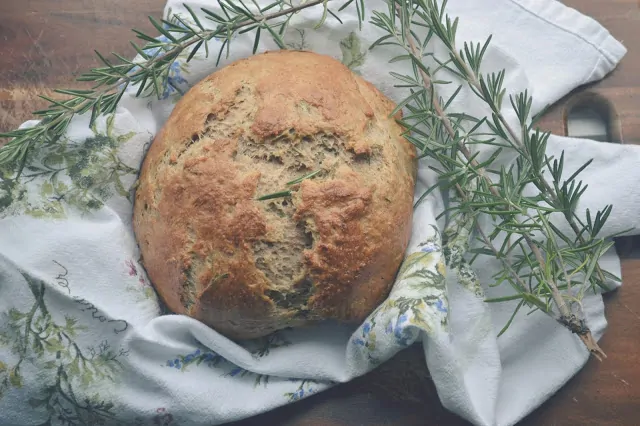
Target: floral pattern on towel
(82, 176)
(417, 303)
(69, 362)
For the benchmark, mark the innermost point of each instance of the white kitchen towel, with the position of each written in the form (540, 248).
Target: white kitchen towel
(84, 340)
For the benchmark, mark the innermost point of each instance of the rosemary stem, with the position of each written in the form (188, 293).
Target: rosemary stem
(445, 119)
(491, 247)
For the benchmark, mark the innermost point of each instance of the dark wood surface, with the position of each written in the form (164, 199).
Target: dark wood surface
(43, 43)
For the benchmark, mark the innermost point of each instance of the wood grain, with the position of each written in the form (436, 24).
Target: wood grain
(621, 89)
(43, 44)
(607, 393)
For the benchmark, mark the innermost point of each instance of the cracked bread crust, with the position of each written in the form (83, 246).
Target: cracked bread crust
(246, 267)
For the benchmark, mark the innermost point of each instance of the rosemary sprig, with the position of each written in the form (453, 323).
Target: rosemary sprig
(540, 262)
(287, 193)
(280, 194)
(151, 73)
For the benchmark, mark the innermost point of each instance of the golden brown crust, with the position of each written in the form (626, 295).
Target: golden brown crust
(247, 267)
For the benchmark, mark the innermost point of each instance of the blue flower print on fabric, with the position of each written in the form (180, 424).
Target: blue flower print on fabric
(401, 331)
(175, 82)
(429, 247)
(417, 303)
(174, 363)
(365, 337)
(235, 371)
(305, 389)
(197, 357)
(212, 359)
(441, 306)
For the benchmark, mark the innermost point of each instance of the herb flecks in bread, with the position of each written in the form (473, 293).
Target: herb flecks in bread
(328, 250)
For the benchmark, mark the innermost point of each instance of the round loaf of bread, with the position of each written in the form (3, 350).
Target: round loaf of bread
(219, 249)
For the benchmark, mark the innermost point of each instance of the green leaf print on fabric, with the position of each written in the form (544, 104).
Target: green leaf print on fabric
(83, 175)
(66, 371)
(9, 189)
(259, 379)
(417, 303)
(353, 55)
(457, 235)
(296, 40)
(262, 347)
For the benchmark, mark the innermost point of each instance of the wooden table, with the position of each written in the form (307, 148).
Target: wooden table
(44, 43)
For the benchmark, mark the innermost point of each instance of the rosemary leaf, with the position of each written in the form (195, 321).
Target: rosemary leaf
(280, 194)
